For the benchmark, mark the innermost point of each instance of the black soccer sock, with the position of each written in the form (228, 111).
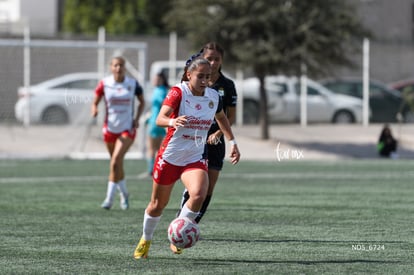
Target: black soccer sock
(184, 199)
(203, 208)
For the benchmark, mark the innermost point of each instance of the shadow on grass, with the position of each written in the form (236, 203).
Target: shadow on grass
(206, 261)
(304, 262)
(300, 241)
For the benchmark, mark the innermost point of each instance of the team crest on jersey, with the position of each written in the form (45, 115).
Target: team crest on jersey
(221, 91)
(211, 104)
(198, 107)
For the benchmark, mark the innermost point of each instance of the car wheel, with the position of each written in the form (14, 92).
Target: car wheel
(343, 117)
(250, 112)
(55, 115)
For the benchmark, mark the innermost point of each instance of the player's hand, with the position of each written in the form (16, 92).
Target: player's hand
(234, 154)
(135, 123)
(180, 121)
(94, 110)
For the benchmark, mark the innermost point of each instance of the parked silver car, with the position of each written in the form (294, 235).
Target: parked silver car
(64, 99)
(284, 102)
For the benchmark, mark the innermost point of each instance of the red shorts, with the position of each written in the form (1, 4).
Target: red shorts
(110, 137)
(166, 173)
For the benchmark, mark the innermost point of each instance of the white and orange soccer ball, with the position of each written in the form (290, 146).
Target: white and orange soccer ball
(183, 232)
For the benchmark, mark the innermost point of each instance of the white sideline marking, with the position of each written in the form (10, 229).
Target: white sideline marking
(302, 175)
(307, 175)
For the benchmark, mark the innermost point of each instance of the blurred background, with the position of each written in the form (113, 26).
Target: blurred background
(53, 53)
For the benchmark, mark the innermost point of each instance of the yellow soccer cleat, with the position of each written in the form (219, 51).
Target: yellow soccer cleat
(175, 250)
(141, 251)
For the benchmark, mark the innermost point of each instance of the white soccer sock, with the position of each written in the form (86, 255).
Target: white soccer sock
(122, 188)
(186, 212)
(110, 191)
(149, 225)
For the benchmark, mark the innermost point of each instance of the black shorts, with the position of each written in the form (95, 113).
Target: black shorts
(216, 155)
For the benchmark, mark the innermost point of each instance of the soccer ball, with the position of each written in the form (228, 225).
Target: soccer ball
(183, 232)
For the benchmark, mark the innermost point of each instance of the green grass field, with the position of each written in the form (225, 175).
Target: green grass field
(345, 217)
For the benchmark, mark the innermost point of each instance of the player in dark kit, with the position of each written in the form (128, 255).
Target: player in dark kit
(215, 146)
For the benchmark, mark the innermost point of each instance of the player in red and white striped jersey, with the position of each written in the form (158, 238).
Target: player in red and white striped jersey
(188, 111)
(119, 130)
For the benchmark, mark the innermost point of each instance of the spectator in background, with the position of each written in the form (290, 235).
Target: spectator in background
(387, 144)
(154, 132)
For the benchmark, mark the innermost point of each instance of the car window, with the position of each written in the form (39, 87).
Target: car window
(311, 90)
(84, 84)
(342, 88)
(374, 90)
(276, 87)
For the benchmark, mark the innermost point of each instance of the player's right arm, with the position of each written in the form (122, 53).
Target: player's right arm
(166, 116)
(99, 92)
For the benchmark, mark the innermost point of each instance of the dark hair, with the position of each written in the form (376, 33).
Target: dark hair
(164, 79)
(187, 64)
(192, 65)
(214, 46)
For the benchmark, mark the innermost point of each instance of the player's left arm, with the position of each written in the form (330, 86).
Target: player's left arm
(230, 101)
(99, 93)
(225, 127)
(214, 138)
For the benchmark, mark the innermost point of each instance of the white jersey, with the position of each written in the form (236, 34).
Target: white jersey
(184, 145)
(119, 102)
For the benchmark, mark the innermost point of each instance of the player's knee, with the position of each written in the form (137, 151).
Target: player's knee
(116, 162)
(198, 197)
(155, 208)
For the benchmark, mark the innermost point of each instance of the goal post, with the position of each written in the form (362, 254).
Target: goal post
(61, 107)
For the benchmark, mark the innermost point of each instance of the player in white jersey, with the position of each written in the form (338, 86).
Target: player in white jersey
(119, 130)
(188, 111)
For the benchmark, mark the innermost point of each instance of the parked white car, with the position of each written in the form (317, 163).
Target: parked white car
(283, 94)
(61, 100)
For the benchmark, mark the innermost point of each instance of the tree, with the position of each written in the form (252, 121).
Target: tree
(118, 16)
(273, 36)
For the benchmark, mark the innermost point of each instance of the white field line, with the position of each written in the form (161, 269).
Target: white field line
(384, 175)
(51, 179)
(313, 175)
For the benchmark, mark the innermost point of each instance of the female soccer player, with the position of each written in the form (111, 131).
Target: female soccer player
(188, 111)
(216, 148)
(120, 125)
(156, 133)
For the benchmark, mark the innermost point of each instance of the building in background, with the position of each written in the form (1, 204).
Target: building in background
(391, 55)
(388, 20)
(41, 15)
